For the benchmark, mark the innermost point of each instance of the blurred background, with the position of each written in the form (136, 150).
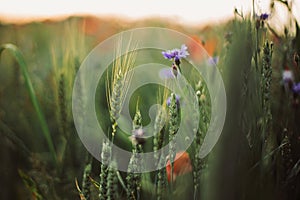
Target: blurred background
(256, 152)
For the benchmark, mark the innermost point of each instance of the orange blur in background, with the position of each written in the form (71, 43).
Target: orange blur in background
(182, 165)
(210, 45)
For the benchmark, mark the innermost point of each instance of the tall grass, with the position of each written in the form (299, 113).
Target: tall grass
(21, 61)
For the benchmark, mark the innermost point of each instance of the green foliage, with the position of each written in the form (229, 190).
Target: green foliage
(257, 156)
(20, 59)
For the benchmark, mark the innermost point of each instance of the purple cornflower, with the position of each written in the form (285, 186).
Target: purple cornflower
(176, 54)
(260, 20)
(137, 136)
(177, 100)
(287, 76)
(264, 16)
(166, 73)
(296, 88)
(287, 79)
(213, 60)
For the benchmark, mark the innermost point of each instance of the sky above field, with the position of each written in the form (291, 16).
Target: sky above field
(184, 11)
(191, 11)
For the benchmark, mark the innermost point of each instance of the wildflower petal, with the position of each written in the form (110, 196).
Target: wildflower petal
(176, 53)
(296, 88)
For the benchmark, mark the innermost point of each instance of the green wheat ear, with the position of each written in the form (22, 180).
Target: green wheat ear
(137, 120)
(174, 119)
(161, 178)
(62, 104)
(199, 164)
(105, 159)
(120, 79)
(266, 81)
(286, 155)
(86, 183)
(135, 163)
(20, 59)
(133, 179)
(158, 138)
(112, 182)
(160, 119)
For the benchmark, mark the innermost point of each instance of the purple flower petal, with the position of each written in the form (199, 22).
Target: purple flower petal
(177, 100)
(166, 73)
(287, 76)
(264, 16)
(296, 88)
(213, 60)
(176, 53)
(137, 136)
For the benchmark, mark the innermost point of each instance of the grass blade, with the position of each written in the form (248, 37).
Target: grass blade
(20, 59)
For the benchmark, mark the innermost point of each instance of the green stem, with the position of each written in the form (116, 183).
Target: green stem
(172, 178)
(20, 59)
(121, 180)
(256, 49)
(253, 9)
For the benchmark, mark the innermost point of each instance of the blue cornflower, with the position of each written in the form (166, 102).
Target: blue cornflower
(177, 100)
(287, 76)
(264, 16)
(296, 88)
(213, 60)
(137, 136)
(166, 73)
(260, 20)
(176, 54)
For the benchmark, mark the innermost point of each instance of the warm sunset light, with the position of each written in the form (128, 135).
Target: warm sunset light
(182, 11)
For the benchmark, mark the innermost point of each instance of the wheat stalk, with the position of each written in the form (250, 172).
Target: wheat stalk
(117, 88)
(173, 128)
(105, 159)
